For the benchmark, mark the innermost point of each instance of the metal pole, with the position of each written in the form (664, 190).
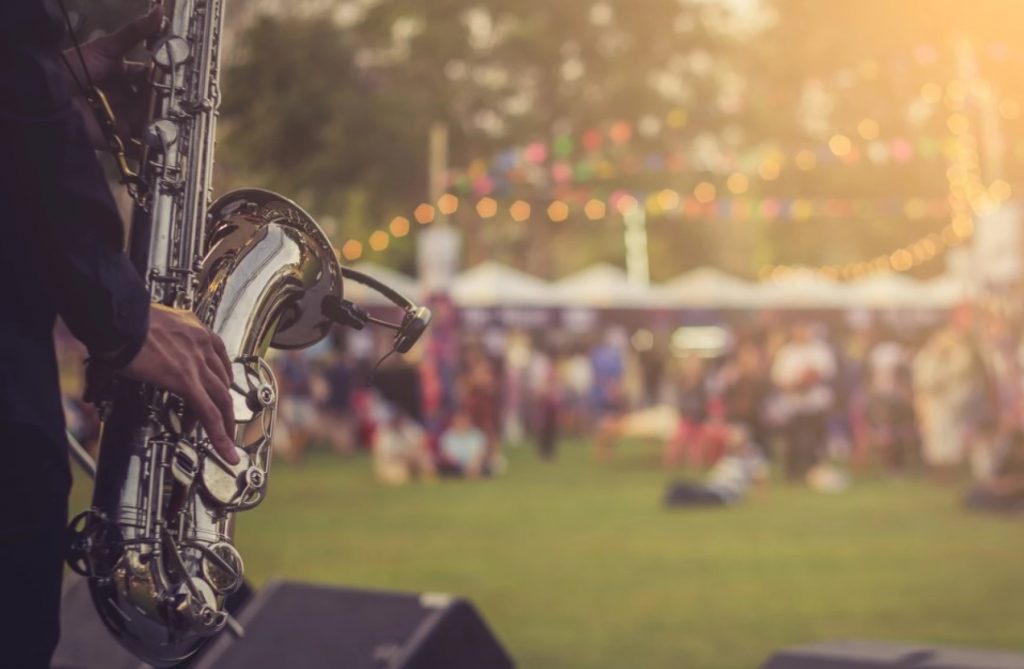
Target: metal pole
(81, 456)
(637, 261)
(437, 166)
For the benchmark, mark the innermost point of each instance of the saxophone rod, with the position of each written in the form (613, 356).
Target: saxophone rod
(81, 456)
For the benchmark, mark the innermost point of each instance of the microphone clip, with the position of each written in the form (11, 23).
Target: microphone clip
(344, 312)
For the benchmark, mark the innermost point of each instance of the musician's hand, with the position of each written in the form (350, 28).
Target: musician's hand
(121, 80)
(183, 356)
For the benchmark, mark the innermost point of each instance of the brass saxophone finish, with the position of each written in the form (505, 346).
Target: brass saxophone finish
(156, 545)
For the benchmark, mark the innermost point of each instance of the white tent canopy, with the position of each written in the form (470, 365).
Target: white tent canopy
(802, 290)
(945, 291)
(606, 286)
(709, 287)
(886, 290)
(493, 284)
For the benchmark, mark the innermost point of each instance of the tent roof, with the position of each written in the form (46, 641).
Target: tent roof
(886, 289)
(709, 286)
(802, 290)
(605, 285)
(492, 283)
(945, 291)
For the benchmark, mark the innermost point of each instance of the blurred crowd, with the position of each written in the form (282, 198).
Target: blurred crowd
(811, 395)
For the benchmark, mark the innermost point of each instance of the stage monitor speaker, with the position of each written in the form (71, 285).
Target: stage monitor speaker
(858, 654)
(85, 642)
(299, 625)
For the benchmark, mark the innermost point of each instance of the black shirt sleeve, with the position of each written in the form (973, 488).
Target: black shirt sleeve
(60, 208)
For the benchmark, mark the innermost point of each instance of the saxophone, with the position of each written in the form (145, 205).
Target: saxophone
(156, 544)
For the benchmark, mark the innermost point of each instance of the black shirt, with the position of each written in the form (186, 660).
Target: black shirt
(60, 234)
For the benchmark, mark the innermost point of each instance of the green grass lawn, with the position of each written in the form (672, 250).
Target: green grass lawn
(575, 564)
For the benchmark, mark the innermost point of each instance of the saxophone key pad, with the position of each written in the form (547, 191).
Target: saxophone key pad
(171, 51)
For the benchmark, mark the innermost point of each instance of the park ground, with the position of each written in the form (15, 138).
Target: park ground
(575, 564)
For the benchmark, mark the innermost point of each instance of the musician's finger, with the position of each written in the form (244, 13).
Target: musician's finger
(220, 393)
(212, 419)
(119, 43)
(223, 358)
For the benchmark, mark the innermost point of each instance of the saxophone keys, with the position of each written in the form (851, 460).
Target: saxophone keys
(195, 607)
(185, 463)
(160, 134)
(222, 482)
(222, 568)
(171, 52)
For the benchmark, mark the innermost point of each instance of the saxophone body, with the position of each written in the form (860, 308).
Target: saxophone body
(157, 543)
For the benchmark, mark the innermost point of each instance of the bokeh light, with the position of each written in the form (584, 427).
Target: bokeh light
(805, 160)
(487, 207)
(399, 226)
(769, 169)
(448, 204)
(840, 145)
(423, 214)
(558, 211)
(868, 128)
(737, 183)
(379, 240)
(668, 199)
(1000, 190)
(519, 211)
(352, 249)
(705, 192)
(594, 209)
(626, 204)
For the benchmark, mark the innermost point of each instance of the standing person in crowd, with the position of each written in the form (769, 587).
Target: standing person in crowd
(578, 375)
(691, 393)
(743, 385)
(951, 394)
(608, 393)
(802, 374)
(478, 388)
(855, 375)
(297, 409)
(547, 390)
(889, 403)
(339, 377)
(516, 387)
(999, 355)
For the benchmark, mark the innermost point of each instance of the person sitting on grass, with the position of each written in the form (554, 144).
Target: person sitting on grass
(1004, 490)
(400, 449)
(729, 480)
(463, 448)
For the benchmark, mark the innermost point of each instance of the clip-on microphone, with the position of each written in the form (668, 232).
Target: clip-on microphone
(345, 312)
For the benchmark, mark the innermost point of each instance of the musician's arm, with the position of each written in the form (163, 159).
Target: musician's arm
(68, 223)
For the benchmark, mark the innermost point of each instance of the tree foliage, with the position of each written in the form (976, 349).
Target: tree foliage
(330, 102)
(334, 109)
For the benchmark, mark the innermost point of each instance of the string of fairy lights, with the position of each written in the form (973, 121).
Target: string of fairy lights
(968, 195)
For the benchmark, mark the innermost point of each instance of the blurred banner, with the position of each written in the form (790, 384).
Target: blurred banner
(997, 246)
